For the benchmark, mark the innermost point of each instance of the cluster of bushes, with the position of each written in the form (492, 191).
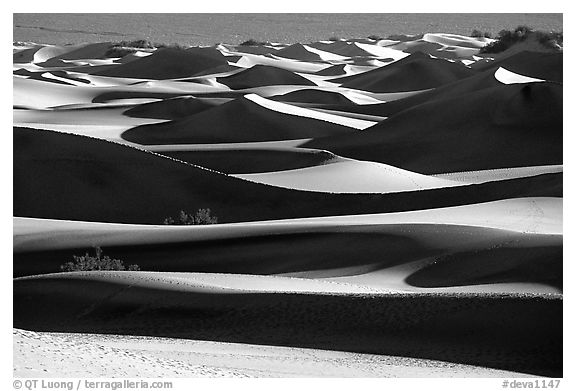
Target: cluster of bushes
(507, 38)
(88, 262)
(253, 42)
(201, 217)
(122, 48)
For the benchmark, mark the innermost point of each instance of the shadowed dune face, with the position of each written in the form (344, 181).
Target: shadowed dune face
(415, 72)
(244, 161)
(505, 126)
(263, 75)
(166, 64)
(170, 109)
(240, 120)
(547, 66)
(314, 96)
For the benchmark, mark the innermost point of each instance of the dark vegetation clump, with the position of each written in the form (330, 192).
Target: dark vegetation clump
(508, 38)
(201, 217)
(375, 37)
(88, 262)
(138, 44)
(175, 46)
(253, 42)
(479, 34)
(123, 48)
(118, 51)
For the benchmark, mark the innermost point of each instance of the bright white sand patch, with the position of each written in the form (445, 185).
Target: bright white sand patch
(235, 146)
(505, 76)
(394, 279)
(324, 55)
(67, 355)
(41, 354)
(218, 282)
(456, 40)
(249, 60)
(366, 117)
(107, 124)
(382, 52)
(501, 174)
(302, 112)
(49, 75)
(541, 215)
(41, 94)
(350, 176)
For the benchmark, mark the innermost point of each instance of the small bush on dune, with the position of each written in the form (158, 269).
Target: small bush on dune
(375, 37)
(202, 217)
(98, 262)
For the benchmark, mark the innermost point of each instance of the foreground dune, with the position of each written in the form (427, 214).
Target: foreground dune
(487, 330)
(99, 355)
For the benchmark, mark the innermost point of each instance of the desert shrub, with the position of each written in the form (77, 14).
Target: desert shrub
(253, 42)
(175, 46)
(139, 44)
(375, 37)
(333, 39)
(507, 38)
(118, 51)
(552, 40)
(98, 262)
(201, 217)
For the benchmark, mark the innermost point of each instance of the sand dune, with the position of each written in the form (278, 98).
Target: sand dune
(169, 109)
(166, 64)
(146, 187)
(527, 232)
(465, 133)
(131, 356)
(524, 215)
(415, 72)
(350, 176)
(236, 160)
(488, 330)
(546, 66)
(244, 119)
(385, 207)
(313, 96)
(263, 75)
